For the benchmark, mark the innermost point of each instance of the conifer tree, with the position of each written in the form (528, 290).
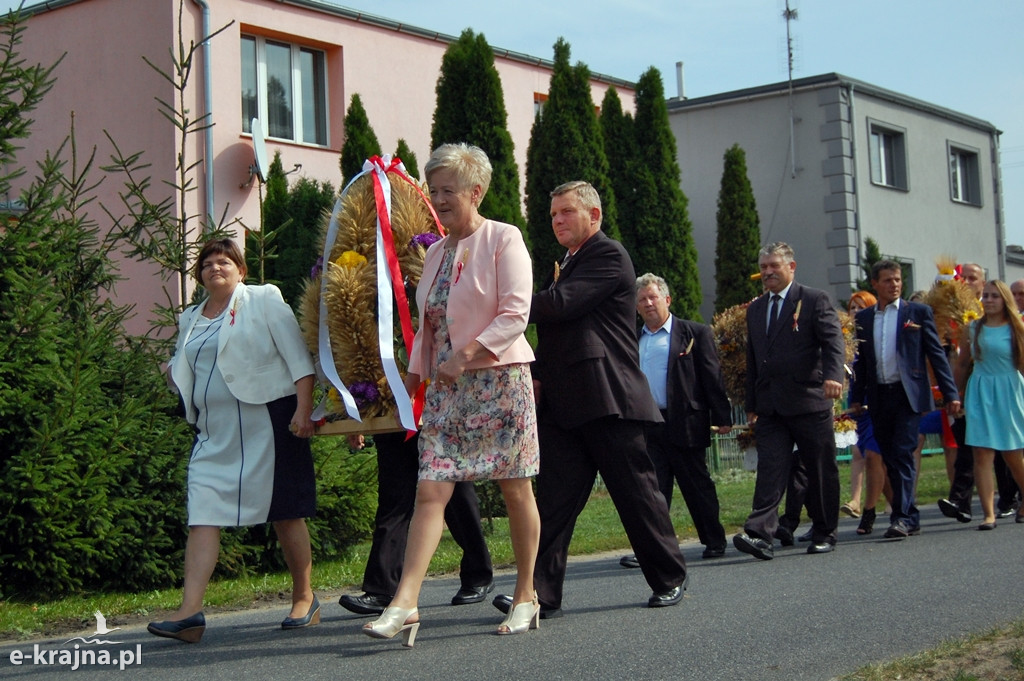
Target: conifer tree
(298, 241)
(621, 150)
(471, 109)
(260, 246)
(661, 223)
(738, 238)
(565, 145)
(360, 141)
(90, 452)
(872, 254)
(408, 158)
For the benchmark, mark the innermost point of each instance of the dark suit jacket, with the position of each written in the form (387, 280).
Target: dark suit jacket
(917, 340)
(587, 359)
(786, 372)
(693, 388)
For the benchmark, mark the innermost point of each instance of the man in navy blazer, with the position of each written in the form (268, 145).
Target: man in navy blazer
(896, 340)
(795, 354)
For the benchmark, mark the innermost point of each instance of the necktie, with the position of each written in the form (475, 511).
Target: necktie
(776, 305)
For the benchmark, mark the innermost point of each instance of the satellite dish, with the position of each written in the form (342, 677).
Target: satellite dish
(261, 165)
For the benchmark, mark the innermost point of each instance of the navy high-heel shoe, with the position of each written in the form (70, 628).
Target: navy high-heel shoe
(189, 629)
(312, 617)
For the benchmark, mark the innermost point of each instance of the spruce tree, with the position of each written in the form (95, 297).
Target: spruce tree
(408, 158)
(738, 239)
(565, 145)
(661, 223)
(360, 141)
(471, 109)
(90, 453)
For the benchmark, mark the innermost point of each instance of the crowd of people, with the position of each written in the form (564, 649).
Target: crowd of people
(595, 396)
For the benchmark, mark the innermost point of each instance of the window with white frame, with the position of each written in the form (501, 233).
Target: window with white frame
(285, 86)
(887, 148)
(964, 175)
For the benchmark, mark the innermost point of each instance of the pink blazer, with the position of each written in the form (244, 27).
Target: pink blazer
(489, 303)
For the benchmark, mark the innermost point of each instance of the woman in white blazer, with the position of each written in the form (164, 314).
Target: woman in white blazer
(245, 378)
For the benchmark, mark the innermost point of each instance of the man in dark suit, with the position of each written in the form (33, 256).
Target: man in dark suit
(680, 361)
(795, 354)
(896, 339)
(593, 403)
(398, 461)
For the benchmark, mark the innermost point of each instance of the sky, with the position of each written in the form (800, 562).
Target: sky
(966, 56)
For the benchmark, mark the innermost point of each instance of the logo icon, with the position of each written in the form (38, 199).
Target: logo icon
(101, 630)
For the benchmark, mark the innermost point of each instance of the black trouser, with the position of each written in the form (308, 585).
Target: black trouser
(397, 472)
(688, 467)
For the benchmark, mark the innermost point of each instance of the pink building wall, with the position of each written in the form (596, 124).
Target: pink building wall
(104, 80)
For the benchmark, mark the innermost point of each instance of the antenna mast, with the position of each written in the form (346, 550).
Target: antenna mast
(790, 15)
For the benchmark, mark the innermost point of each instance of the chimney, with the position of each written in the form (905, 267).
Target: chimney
(680, 87)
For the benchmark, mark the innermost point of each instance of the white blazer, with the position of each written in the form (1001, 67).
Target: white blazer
(260, 350)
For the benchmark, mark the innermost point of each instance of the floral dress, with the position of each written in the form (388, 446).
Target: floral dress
(484, 427)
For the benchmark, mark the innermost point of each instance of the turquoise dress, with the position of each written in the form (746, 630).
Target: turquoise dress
(994, 399)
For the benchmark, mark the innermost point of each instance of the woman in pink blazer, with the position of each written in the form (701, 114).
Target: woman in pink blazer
(479, 419)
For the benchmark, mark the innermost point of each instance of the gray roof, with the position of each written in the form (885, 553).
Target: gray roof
(833, 79)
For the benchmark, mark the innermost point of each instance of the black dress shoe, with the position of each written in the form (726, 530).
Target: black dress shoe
(901, 530)
(755, 546)
(713, 552)
(629, 561)
(472, 594)
(821, 547)
(784, 535)
(806, 536)
(1006, 514)
(367, 604)
(503, 602)
(666, 598)
(948, 508)
(189, 630)
(951, 510)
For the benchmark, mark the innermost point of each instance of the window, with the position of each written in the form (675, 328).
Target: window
(285, 86)
(964, 177)
(887, 147)
(539, 100)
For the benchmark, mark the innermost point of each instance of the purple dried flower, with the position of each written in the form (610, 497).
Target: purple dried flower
(425, 239)
(364, 393)
(317, 268)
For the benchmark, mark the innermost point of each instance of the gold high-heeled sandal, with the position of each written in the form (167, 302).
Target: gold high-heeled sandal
(392, 621)
(521, 618)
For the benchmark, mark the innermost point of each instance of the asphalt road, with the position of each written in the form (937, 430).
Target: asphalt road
(796, 617)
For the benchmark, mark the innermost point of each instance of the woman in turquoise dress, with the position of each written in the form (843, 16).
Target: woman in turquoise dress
(479, 419)
(994, 399)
